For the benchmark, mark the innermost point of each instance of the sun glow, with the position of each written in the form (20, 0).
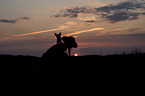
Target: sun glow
(76, 54)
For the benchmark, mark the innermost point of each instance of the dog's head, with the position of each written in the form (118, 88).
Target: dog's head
(57, 35)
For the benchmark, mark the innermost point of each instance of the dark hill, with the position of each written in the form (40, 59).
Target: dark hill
(75, 69)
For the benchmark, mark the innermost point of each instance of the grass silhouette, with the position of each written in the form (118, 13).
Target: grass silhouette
(76, 69)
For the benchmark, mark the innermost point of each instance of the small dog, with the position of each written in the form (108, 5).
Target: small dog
(58, 36)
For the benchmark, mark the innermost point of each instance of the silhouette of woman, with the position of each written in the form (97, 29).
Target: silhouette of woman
(70, 43)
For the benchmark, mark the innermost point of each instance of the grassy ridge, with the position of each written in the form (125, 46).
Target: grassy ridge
(81, 68)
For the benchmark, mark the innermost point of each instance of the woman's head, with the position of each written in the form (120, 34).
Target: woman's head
(70, 42)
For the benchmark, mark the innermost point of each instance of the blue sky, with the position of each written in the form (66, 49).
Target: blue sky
(28, 26)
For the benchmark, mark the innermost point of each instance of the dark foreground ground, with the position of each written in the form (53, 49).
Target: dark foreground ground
(73, 69)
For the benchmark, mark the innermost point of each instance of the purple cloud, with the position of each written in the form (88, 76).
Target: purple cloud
(113, 13)
(14, 20)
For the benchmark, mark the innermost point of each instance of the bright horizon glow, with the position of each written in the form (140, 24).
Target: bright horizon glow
(77, 54)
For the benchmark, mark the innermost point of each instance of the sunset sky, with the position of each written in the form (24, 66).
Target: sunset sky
(103, 27)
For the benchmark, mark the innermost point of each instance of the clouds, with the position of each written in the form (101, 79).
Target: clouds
(25, 18)
(122, 16)
(91, 21)
(71, 12)
(123, 6)
(129, 10)
(8, 21)
(14, 20)
(122, 11)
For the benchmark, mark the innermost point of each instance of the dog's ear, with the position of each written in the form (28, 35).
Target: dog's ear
(60, 33)
(55, 34)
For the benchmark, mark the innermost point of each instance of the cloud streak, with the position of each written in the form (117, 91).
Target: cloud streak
(25, 18)
(65, 26)
(108, 31)
(83, 31)
(113, 13)
(8, 21)
(44, 31)
(14, 20)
